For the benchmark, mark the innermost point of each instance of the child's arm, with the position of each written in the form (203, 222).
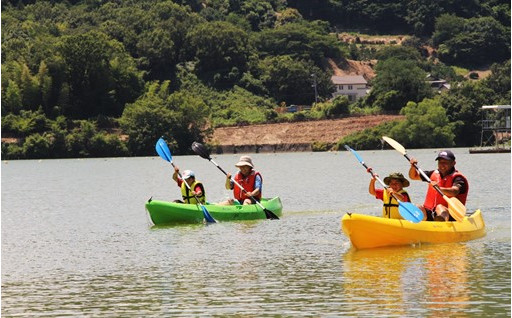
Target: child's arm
(371, 187)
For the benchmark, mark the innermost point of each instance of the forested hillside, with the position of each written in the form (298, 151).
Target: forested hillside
(76, 74)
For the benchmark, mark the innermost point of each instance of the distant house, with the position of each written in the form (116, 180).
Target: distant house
(438, 84)
(353, 86)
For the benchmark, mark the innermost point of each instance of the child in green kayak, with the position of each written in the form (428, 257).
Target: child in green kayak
(194, 190)
(396, 182)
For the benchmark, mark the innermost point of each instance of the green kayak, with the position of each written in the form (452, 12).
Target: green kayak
(164, 212)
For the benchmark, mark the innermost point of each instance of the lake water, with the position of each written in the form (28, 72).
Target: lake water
(76, 241)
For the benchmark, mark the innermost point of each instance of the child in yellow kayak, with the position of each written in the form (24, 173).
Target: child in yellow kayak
(396, 182)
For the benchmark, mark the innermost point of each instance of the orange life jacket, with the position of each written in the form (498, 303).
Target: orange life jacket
(247, 183)
(433, 197)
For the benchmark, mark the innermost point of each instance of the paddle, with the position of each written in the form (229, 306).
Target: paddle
(407, 210)
(163, 151)
(204, 153)
(456, 209)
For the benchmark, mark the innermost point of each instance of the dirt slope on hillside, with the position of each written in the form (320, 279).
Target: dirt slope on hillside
(352, 67)
(327, 131)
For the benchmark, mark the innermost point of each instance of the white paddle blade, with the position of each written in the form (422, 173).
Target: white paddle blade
(393, 143)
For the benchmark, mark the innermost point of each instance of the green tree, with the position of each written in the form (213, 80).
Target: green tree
(402, 76)
(291, 80)
(37, 146)
(481, 40)
(447, 26)
(302, 41)
(288, 15)
(260, 14)
(89, 73)
(463, 103)
(333, 109)
(11, 99)
(161, 45)
(426, 126)
(222, 52)
(179, 117)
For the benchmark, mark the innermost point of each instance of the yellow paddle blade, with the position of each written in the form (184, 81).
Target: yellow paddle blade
(456, 209)
(393, 143)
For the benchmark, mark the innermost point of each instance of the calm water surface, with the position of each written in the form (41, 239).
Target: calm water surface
(76, 241)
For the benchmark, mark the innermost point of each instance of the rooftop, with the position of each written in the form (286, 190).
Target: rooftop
(348, 80)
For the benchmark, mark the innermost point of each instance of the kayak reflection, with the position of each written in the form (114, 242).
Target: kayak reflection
(425, 280)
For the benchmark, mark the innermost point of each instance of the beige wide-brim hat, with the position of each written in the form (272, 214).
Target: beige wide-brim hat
(245, 161)
(398, 176)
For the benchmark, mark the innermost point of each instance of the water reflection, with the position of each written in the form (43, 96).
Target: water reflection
(431, 279)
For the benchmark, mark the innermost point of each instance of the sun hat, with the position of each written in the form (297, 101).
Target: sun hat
(187, 174)
(446, 154)
(398, 176)
(245, 161)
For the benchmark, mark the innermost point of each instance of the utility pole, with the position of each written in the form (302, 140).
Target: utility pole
(314, 85)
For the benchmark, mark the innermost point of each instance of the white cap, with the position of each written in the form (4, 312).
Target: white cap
(187, 174)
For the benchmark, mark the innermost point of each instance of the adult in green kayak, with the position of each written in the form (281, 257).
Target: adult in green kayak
(249, 179)
(195, 189)
(396, 182)
(451, 182)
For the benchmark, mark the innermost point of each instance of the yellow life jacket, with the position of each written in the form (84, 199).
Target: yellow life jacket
(390, 207)
(187, 195)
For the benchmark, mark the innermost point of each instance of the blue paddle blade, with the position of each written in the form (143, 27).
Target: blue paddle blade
(163, 150)
(207, 215)
(355, 153)
(410, 212)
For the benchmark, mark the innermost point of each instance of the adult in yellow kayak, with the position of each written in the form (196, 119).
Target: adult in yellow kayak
(396, 182)
(450, 181)
(195, 189)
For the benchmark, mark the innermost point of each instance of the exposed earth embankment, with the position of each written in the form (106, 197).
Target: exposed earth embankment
(297, 136)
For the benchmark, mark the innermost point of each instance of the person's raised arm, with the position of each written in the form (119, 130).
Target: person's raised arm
(413, 173)
(175, 174)
(371, 186)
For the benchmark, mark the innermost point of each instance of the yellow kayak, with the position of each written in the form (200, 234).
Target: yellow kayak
(367, 231)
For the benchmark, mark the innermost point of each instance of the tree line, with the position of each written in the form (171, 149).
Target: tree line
(74, 72)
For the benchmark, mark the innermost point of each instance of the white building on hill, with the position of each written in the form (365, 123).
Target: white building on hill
(353, 86)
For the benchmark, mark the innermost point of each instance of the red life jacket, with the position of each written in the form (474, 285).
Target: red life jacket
(433, 197)
(247, 183)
